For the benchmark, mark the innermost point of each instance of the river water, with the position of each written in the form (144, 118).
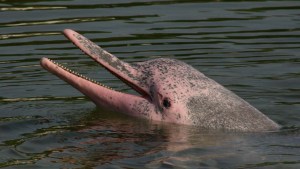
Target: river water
(250, 47)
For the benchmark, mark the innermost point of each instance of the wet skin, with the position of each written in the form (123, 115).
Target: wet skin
(170, 91)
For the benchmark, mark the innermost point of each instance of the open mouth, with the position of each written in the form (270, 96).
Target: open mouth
(124, 71)
(74, 73)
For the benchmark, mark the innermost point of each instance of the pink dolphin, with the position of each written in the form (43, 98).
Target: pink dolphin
(170, 91)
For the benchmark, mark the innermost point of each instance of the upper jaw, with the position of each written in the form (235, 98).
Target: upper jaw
(95, 90)
(124, 71)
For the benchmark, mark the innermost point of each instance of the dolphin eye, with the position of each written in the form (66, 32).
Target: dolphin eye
(166, 103)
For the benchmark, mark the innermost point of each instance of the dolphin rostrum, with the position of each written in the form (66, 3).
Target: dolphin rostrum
(170, 91)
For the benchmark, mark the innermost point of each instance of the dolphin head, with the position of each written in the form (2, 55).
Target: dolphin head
(170, 91)
(158, 99)
(170, 84)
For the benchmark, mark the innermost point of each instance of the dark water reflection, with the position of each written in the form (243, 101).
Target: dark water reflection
(251, 47)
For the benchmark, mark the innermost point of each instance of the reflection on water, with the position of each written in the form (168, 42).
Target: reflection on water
(250, 47)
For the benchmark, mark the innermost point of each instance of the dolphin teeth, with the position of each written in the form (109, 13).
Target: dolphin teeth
(80, 75)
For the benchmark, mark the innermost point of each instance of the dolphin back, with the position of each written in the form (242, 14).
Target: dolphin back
(220, 108)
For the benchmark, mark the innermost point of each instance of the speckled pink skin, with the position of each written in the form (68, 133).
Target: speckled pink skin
(171, 91)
